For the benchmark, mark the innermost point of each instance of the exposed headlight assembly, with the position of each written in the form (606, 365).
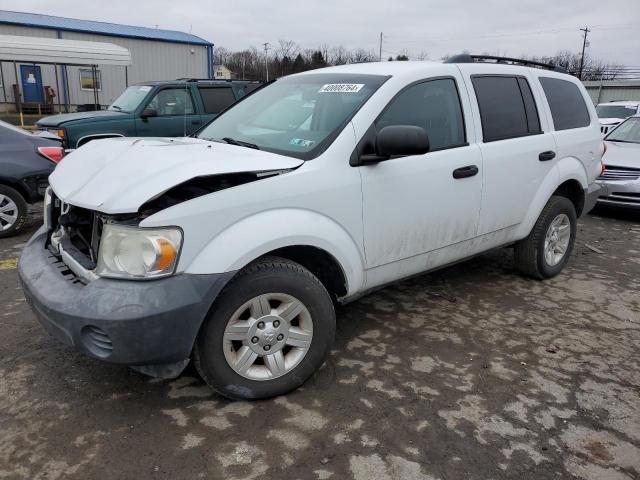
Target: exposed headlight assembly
(138, 253)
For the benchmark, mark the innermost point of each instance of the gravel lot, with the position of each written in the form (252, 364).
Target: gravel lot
(469, 373)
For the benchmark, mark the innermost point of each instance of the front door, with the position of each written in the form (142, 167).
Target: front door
(417, 204)
(31, 84)
(174, 114)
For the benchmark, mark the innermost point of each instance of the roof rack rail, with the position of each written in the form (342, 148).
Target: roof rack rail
(187, 79)
(466, 58)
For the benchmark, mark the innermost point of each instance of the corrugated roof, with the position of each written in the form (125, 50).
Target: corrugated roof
(102, 28)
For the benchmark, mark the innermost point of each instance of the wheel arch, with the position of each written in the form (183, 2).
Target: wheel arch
(568, 178)
(18, 187)
(311, 239)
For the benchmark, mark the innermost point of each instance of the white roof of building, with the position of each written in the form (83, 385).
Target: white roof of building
(54, 50)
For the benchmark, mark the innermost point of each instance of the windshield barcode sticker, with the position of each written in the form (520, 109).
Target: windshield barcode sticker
(341, 88)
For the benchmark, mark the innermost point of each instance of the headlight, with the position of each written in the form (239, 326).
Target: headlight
(132, 252)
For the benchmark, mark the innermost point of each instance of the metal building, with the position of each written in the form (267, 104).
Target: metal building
(155, 55)
(613, 90)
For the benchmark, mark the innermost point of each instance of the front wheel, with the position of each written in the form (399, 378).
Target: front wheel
(545, 252)
(268, 332)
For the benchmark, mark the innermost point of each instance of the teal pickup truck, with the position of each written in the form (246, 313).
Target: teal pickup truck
(154, 109)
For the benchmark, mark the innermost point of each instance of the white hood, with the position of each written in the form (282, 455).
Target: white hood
(610, 121)
(118, 175)
(621, 154)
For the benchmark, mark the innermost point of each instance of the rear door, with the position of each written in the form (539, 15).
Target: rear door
(518, 149)
(576, 126)
(215, 99)
(175, 114)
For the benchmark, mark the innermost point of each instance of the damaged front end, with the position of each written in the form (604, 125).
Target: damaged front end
(76, 235)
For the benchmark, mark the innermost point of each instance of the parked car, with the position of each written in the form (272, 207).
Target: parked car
(26, 161)
(230, 248)
(154, 109)
(611, 114)
(621, 177)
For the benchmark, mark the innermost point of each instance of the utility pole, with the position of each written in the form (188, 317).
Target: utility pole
(584, 45)
(380, 46)
(266, 58)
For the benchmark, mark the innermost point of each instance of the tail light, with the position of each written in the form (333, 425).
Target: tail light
(55, 154)
(602, 165)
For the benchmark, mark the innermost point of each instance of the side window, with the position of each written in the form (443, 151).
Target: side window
(216, 99)
(507, 107)
(433, 105)
(566, 103)
(172, 101)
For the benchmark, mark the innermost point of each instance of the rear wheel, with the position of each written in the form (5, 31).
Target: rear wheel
(13, 211)
(545, 252)
(270, 329)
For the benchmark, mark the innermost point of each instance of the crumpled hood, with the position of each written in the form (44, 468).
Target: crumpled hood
(622, 154)
(118, 175)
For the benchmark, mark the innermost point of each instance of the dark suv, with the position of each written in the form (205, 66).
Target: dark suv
(153, 109)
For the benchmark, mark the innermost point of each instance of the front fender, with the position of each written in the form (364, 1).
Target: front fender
(256, 235)
(568, 168)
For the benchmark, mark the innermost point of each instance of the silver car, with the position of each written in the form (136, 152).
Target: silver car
(621, 175)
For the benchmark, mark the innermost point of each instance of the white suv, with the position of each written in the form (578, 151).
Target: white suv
(230, 248)
(611, 114)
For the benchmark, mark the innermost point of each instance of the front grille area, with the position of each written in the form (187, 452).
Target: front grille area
(65, 271)
(612, 172)
(628, 198)
(82, 231)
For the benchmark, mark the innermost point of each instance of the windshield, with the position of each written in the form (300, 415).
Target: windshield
(129, 100)
(615, 111)
(628, 131)
(298, 116)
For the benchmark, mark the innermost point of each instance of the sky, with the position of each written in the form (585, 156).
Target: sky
(435, 27)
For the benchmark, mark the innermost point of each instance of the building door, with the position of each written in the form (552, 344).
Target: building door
(31, 84)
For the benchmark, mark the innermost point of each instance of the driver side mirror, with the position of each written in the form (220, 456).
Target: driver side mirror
(148, 112)
(398, 141)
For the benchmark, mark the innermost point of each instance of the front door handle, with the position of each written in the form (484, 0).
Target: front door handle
(464, 172)
(546, 156)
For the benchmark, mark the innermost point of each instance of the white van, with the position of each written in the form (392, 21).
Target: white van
(231, 248)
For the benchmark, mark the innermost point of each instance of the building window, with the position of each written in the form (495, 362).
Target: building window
(86, 79)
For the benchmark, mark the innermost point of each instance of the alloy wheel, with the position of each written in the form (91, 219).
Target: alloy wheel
(268, 336)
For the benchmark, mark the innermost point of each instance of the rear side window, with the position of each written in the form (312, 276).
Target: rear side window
(566, 103)
(507, 107)
(433, 105)
(216, 99)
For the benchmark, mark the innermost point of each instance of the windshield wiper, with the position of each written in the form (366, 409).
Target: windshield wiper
(116, 108)
(240, 143)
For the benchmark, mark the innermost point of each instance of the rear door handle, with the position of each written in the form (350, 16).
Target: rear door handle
(464, 172)
(546, 156)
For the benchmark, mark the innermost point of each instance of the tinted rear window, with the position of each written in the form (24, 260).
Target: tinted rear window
(566, 103)
(216, 99)
(507, 108)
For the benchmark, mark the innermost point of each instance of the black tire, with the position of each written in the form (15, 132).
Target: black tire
(269, 275)
(22, 208)
(529, 252)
